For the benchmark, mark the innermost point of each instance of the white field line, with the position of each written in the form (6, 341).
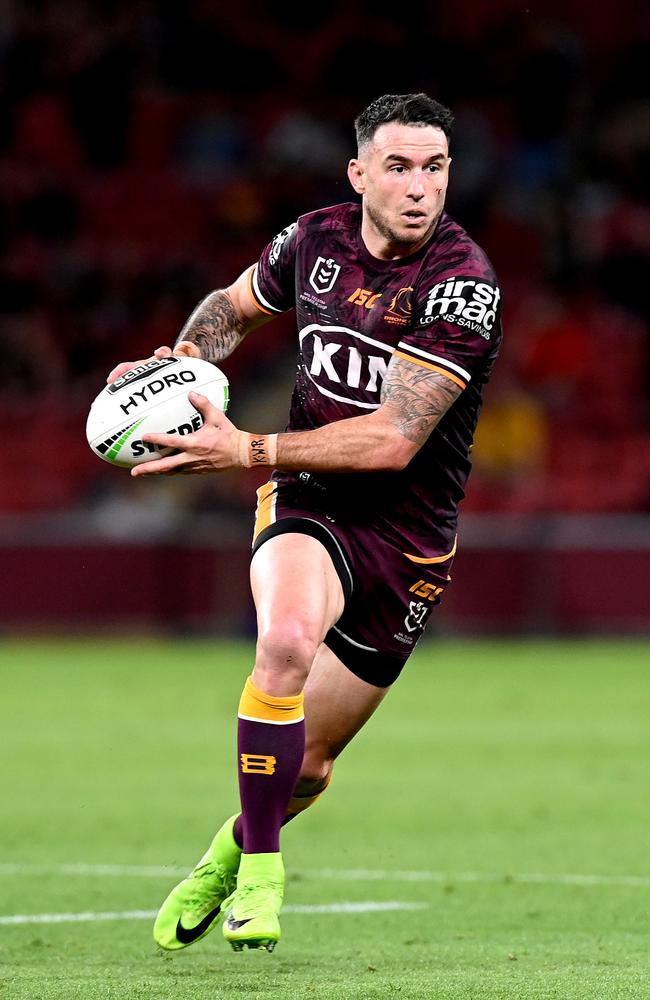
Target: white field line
(544, 878)
(89, 917)
(81, 868)
(339, 874)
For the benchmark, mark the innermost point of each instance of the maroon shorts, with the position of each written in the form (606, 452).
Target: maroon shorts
(388, 595)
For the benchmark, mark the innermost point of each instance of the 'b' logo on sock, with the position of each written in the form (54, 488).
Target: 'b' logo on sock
(257, 764)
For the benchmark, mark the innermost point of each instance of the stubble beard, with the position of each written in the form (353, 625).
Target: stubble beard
(400, 241)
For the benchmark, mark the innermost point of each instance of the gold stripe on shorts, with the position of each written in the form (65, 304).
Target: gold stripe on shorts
(265, 512)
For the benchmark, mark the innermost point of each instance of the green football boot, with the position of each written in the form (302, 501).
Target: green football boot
(193, 907)
(252, 910)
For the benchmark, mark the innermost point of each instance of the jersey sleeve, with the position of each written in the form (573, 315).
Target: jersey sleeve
(456, 327)
(272, 279)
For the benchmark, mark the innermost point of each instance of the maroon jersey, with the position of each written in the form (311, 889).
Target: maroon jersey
(438, 308)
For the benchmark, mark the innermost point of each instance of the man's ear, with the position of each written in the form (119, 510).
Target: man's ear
(356, 176)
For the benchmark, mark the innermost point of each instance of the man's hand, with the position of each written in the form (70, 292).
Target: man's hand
(184, 350)
(214, 446)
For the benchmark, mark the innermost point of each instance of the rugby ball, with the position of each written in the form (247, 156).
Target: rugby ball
(151, 397)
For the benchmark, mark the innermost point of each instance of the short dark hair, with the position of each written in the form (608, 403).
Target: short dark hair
(406, 109)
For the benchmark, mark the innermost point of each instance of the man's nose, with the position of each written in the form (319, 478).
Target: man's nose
(416, 185)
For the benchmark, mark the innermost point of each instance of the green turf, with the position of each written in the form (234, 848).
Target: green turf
(496, 769)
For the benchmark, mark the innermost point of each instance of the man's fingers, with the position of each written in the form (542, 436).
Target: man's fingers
(172, 463)
(209, 412)
(126, 366)
(168, 440)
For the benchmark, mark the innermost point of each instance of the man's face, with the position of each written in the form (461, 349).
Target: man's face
(402, 175)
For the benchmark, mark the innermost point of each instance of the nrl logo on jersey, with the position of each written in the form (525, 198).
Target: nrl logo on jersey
(324, 274)
(467, 302)
(278, 243)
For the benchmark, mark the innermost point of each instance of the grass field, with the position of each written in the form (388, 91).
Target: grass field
(491, 824)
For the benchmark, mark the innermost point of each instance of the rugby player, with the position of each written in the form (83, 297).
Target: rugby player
(398, 318)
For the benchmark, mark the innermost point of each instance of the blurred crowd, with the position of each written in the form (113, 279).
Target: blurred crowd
(148, 151)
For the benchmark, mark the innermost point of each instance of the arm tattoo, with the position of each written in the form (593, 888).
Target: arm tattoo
(417, 398)
(214, 327)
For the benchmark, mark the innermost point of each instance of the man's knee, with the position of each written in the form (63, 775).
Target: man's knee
(316, 769)
(314, 780)
(309, 788)
(285, 649)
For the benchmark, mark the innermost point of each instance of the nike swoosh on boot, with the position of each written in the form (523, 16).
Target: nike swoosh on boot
(188, 934)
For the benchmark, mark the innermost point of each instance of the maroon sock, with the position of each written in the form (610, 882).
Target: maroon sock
(238, 828)
(271, 746)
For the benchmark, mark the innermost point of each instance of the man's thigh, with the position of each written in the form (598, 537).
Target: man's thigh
(295, 587)
(388, 596)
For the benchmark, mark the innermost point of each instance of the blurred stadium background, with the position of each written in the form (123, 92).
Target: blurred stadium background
(147, 153)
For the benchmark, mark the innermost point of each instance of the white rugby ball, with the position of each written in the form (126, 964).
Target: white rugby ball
(152, 397)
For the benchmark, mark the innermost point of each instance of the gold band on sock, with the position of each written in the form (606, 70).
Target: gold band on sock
(257, 706)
